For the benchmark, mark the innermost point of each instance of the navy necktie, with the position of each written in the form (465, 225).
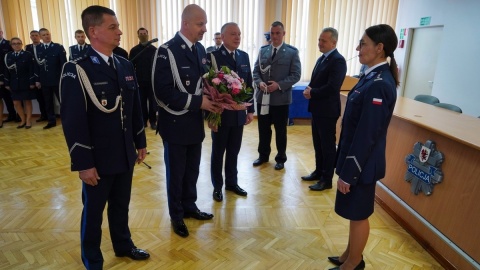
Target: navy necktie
(274, 53)
(110, 62)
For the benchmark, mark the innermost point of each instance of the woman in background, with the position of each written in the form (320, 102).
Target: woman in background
(20, 80)
(361, 150)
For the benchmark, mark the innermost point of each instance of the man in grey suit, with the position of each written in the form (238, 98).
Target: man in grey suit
(275, 71)
(218, 42)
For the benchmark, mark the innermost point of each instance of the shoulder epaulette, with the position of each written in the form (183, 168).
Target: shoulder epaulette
(291, 47)
(264, 46)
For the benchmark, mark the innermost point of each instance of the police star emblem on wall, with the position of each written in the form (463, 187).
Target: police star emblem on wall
(424, 167)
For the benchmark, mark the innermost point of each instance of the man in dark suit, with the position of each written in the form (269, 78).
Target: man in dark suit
(218, 42)
(35, 37)
(277, 68)
(227, 138)
(141, 57)
(78, 50)
(103, 127)
(323, 94)
(4, 93)
(178, 70)
(50, 57)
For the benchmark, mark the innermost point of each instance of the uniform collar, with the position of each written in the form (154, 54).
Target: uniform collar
(103, 56)
(374, 67)
(185, 39)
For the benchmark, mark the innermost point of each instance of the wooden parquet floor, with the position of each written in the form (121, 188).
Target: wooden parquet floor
(280, 225)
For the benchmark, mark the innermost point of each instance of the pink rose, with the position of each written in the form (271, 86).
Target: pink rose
(216, 81)
(220, 76)
(235, 91)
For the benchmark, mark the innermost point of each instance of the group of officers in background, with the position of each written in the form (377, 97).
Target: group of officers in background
(34, 73)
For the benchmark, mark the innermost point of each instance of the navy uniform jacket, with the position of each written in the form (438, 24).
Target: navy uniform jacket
(187, 128)
(241, 65)
(144, 62)
(369, 108)
(326, 81)
(29, 48)
(54, 57)
(4, 49)
(22, 75)
(107, 141)
(76, 53)
(285, 69)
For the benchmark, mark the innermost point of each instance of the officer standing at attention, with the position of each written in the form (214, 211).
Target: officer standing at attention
(103, 127)
(50, 57)
(141, 57)
(277, 68)
(218, 42)
(178, 68)
(5, 48)
(35, 37)
(77, 51)
(227, 138)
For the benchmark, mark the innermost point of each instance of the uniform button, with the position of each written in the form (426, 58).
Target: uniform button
(125, 129)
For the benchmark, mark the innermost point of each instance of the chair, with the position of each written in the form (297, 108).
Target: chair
(448, 107)
(427, 99)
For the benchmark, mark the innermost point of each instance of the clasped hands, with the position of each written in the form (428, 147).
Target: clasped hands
(306, 92)
(270, 87)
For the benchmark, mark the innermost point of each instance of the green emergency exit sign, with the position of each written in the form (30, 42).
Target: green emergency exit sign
(424, 21)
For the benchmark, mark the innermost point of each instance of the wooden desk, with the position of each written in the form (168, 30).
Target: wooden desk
(453, 208)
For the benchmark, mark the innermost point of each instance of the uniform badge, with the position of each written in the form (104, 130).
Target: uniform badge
(224, 53)
(204, 61)
(370, 75)
(424, 167)
(187, 82)
(183, 46)
(104, 102)
(95, 60)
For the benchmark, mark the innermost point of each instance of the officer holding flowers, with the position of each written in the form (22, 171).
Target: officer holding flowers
(227, 134)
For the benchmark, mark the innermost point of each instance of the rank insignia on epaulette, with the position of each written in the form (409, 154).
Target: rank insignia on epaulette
(104, 102)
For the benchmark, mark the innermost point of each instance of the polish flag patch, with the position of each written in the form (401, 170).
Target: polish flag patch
(377, 101)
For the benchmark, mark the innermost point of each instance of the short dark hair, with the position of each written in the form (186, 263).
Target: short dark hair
(79, 31)
(93, 16)
(34, 31)
(277, 23)
(142, 28)
(43, 29)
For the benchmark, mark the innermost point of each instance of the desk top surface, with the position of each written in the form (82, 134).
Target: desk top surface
(457, 126)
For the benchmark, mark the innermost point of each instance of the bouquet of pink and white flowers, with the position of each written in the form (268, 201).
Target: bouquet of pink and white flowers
(227, 89)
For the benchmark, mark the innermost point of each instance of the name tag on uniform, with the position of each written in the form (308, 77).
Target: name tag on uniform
(128, 78)
(100, 83)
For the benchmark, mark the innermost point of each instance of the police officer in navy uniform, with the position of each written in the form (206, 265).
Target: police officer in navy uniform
(141, 57)
(50, 57)
(78, 50)
(20, 80)
(35, 37)
(4, 93)
(227, 138)
(103, 127)
(276, 70)
(177, 82)
(361, 151)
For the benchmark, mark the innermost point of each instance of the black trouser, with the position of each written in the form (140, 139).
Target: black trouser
(116, 190)
(323, 134)
(7, 97)
(48, 95)
(149, 105)
(227, 140)
(182, 163)
(278, 116)
(41, 103)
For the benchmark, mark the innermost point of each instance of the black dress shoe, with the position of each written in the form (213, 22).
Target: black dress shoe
(279, 166)
(237, 190)
(335, 260)
(360, 266)
(198, 215)
(259, 162)
(320, 185)
(135, 254)
(311, 177)
(153, 126)
(217, 195)
(49, 125)
(28, 127)
(41, 119)
(180, 228)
